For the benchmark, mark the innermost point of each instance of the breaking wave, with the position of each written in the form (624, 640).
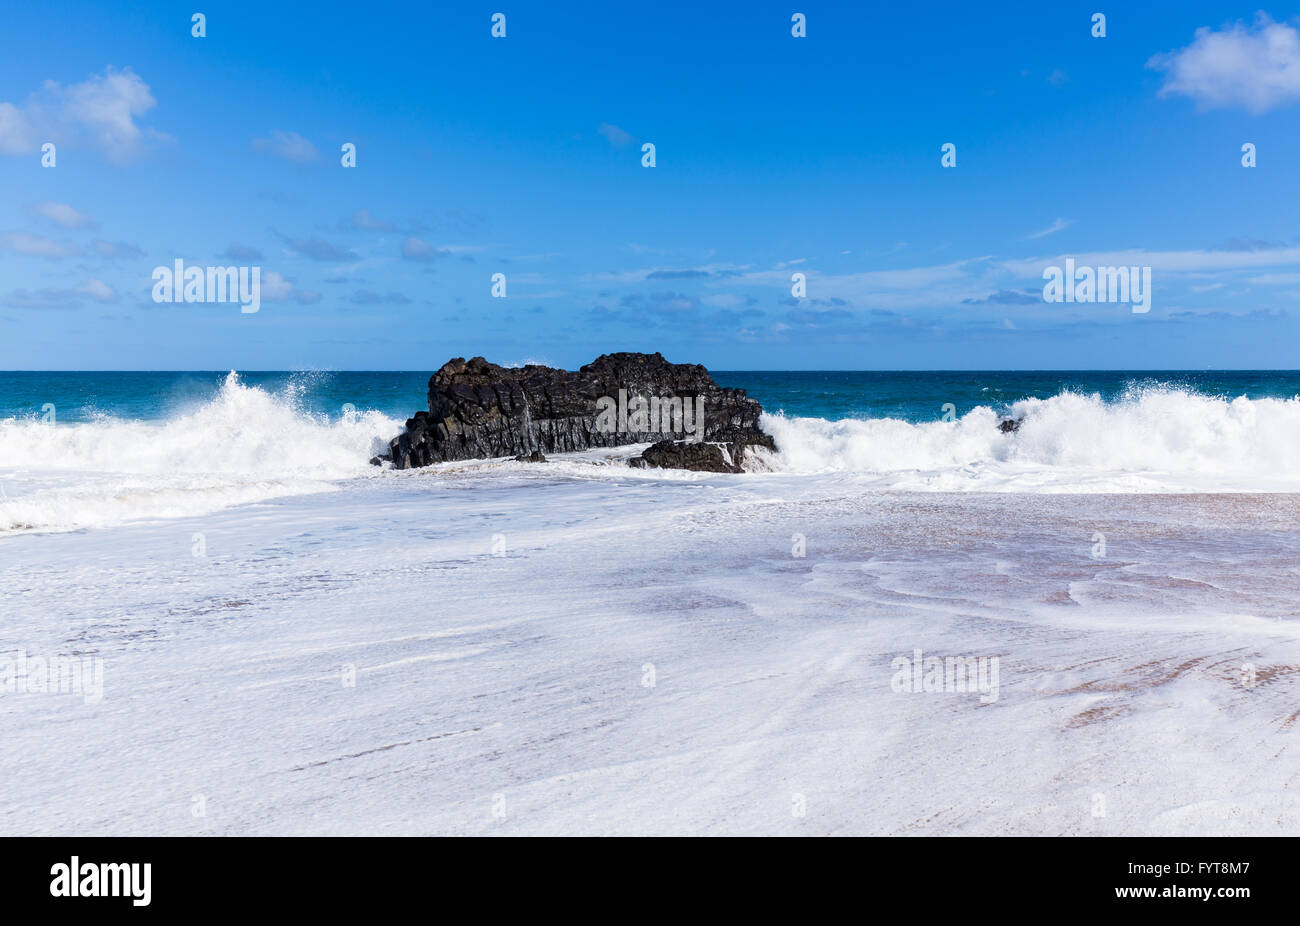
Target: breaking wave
(1148, 439)
(245, 444)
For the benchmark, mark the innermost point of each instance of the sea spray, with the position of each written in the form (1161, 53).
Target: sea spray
(1166, 433)
(242, 445)
(240, 430)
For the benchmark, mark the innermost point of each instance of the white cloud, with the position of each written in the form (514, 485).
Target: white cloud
(64, 216)
(981, 280)
(17, 135)
(363, 220)
(107, 105)
(1256, 68)
(1204, 261)
(715, 271)
(278, 288)
(1058, 225)
(880, 281)
(115, 250)
(419, 249)
(102, 110)
(615, 136)
(98, 290)
(36, 246)
(913, 288)
(288, 145)
(275, 288)
(42, 299)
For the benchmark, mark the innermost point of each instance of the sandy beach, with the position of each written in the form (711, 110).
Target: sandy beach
(495, 648)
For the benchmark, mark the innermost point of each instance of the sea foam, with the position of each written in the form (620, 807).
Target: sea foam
(1150, 438)
(243, 445)
(241, 430)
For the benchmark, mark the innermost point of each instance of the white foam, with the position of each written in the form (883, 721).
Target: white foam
(244, 445)
(242, 430)
(1150, 440)
(248, 445)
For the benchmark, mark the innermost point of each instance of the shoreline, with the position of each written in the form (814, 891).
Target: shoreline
(523, 673)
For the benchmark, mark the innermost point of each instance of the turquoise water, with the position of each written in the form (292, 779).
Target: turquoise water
(910, 396)
(920, 396)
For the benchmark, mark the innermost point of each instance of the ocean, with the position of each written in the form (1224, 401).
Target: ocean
(294, 641)
(94, 449)
(908, 396)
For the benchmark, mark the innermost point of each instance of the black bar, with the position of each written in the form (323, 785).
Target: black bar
(335, 876)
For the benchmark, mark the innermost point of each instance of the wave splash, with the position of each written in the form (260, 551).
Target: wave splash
(243, 445)
(246, 445)
(241, 430)
(1153, 438)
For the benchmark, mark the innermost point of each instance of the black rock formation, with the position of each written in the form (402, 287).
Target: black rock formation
(478, 410)
(671, 454)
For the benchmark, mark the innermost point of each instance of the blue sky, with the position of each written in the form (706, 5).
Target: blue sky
(774, 155)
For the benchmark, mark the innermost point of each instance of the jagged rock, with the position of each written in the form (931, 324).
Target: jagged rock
(671, 454)
(1007, 425)
(478, 410)
(534, 457)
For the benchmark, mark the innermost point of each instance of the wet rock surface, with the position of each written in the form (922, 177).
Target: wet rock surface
(479, 410)
(670, 454)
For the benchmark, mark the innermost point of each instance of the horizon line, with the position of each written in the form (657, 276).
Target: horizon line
(227, 371)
